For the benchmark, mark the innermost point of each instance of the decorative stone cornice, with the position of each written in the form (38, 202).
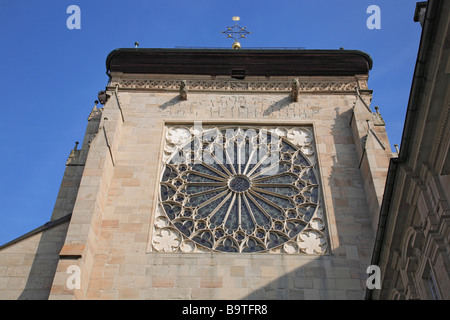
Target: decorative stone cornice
(240, 86)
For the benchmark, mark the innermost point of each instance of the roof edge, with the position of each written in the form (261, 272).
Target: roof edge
(114, 52)
(44, 227)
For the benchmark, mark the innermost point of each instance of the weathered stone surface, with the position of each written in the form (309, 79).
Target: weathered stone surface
(113, 214)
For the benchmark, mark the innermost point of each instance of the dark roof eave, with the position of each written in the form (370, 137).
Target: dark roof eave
(256, 61)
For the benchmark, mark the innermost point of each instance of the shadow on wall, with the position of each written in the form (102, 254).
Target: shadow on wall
(170, 103)
(318, 279)
(277, 106)
(44, 265)
(340, 274)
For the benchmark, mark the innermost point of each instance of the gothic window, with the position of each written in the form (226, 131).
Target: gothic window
(239, 189)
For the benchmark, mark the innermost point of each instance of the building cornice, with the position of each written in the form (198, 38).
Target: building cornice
(246, 62)
(268, 86)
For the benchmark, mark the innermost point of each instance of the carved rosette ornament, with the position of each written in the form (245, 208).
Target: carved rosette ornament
(239, 189)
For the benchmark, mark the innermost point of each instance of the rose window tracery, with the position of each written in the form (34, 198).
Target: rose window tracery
(239, 189)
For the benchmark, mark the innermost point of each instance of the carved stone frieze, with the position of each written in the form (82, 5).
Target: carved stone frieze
(233, 85)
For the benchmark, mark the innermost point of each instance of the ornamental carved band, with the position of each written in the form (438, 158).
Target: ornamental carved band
(239, 189)
(231, 85)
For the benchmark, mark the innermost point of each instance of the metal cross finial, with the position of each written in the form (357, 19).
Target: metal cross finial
(236, 32)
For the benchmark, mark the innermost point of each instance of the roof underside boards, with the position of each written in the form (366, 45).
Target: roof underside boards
(226, 61)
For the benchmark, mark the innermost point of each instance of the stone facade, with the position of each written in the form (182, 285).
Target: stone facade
(109, 237)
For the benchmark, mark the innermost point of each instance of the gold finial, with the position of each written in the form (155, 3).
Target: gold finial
(236, 32)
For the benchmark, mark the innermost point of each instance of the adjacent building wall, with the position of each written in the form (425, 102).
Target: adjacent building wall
(413, 239)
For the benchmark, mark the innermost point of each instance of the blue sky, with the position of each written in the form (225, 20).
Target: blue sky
(50, 75)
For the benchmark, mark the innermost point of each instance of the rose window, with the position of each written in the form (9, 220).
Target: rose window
(238, 190)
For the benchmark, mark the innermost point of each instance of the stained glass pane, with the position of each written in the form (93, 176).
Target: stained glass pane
(260, 216)
(218, 217)
(191, 189)
(194, 177)
(281, 179)
(247, 223)
(270, 208)
(197, 200)
(280, 189)
(204, 169)
(206, 210)
(232, 221)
